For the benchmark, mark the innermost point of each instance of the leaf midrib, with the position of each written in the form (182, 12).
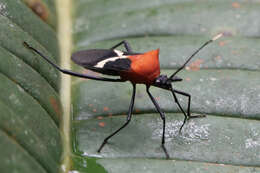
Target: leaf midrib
(65, 44)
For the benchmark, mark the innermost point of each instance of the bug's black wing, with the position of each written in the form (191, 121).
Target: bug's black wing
(105, 61)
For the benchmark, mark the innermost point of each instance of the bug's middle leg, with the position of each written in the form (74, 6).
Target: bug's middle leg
(163, 118)
(128, 119)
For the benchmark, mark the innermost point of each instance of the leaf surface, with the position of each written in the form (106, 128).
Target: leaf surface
(222, 80)
(30, 108)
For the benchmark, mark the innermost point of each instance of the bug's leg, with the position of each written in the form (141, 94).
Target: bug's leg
(179, 105)
(71, 72)
(163, 118)
(128, 119)
(188, 115)
(126, 44)
(189, 101)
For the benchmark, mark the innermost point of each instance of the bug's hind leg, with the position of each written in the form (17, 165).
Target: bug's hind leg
(163, 118)
(128, 119)
(187, 115)
(126, 45)
(68, 71)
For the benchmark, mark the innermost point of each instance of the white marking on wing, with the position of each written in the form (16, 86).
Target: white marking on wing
(120, 56)
(118, 52)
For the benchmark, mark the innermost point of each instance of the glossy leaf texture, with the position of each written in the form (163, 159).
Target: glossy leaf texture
(223, 80)
(30, 108)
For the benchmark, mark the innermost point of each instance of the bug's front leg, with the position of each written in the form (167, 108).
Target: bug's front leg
(187, 115)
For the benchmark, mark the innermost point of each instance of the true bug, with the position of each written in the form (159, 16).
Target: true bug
(138, 68)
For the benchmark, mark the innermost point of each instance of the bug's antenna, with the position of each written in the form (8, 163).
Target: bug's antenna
(211, 40)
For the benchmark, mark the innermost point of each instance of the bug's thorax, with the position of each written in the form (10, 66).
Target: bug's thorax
(145, 68)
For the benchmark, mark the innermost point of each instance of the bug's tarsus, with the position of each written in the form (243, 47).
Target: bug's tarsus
(71, 72)
(162, 117)
(26, 45)
(196, 116)
(126, 45)
(187, 118)
(206, 43)
(128, 119)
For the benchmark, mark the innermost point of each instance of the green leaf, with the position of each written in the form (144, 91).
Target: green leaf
(18, 13)
(30, 108)
(15, 159)
(222, 80)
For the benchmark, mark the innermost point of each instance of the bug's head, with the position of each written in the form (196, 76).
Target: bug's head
(165, 82)
(175, 79)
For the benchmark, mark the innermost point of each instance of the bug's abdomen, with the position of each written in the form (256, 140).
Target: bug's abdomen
(145, 68)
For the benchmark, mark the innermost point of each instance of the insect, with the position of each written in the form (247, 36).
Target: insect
(138, 68)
